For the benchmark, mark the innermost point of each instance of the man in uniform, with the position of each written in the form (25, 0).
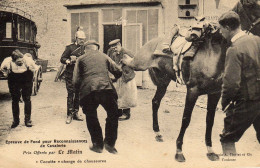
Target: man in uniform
(126, 85)
(241, 82)
(68, 57)
(95, 87)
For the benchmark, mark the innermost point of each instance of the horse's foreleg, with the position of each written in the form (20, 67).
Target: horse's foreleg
(160, 92)
(191, 98)
(211, 110)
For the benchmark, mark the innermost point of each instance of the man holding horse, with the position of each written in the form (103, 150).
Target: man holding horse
(125, 85)
(241, 82)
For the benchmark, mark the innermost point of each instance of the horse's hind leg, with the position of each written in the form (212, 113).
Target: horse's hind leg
(160, 92)
(191, 98)
(211, 110)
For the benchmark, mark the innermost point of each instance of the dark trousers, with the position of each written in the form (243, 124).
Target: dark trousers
(73, 96)
(239, 117)
(108, 99)
(21, 84)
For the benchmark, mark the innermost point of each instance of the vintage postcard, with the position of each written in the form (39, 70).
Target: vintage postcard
(50, 130)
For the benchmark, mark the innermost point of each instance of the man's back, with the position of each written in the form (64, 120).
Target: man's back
(244, 57)
(92, 72)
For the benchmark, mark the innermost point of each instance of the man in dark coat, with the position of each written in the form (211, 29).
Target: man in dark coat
(241, 82)
(68, 57)
(95, 87)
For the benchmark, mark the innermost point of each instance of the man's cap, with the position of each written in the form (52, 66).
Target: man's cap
(229, 15)
(92, 42)
(113, 42)
(80, 34)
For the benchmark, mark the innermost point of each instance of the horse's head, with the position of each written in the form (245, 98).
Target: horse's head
(249, 13)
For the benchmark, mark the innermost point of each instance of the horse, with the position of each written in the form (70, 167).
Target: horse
(202, 75)
(206, 69)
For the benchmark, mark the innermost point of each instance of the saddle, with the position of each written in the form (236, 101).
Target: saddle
(185, 43)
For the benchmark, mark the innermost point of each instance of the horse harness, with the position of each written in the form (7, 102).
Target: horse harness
(188, 49)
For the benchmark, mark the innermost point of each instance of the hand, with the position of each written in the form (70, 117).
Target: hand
(68, 61)
(73, 58)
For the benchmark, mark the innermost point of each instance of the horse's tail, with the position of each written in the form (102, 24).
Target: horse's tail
(157, 76)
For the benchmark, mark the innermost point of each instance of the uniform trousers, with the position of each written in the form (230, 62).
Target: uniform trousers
(73, 96)
(90, 103)
(239, 117)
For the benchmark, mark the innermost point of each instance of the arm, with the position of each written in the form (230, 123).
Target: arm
(65, 58)
(6, 63)
(76, 75)
(113, 68)
(232, 77)
(30, 63)
(5, 66)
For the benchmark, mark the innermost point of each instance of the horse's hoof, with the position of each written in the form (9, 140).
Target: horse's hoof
(159, 138)
(213, 156)
(180, 157)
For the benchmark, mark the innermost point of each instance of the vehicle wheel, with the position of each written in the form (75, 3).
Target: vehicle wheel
(37, 79)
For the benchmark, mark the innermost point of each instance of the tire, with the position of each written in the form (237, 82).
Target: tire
(37, 79)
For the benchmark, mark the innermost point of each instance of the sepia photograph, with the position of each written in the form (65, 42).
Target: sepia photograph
(129, 83)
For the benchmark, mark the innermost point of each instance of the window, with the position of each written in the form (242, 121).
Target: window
(21, 29)
(8, 30)
(32, 34)
(27, 31)
(149, 18)
(112, 15)
(89, 22)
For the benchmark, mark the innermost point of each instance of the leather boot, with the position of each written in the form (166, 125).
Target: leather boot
(126, 115)
(27, 113)
(228, 148)
(70, 109)
(16, 112)
(77, 117)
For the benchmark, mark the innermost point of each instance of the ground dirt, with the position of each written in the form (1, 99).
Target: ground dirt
(136, 144)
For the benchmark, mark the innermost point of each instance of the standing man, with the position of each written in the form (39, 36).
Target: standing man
(95, 87)
(241, 82)
(69, 56)
(125, 86)
(19, 70)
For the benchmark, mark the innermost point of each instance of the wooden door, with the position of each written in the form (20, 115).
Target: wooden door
(132, 40)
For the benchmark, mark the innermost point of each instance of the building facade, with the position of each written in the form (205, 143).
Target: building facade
(133, 21)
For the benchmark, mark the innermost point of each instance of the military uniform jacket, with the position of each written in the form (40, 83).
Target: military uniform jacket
(91, 73)
(242, 68)
(71, 50)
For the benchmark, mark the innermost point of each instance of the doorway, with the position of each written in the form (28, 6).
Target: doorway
(111, 32)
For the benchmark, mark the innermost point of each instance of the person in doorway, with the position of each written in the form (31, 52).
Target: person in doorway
(92, 80)
(19, 70)
(126, 85)
(241, 82)
(69, 56)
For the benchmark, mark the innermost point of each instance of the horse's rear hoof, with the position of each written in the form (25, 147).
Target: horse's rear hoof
(180, 157)
(159, 138)
(213, 156)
